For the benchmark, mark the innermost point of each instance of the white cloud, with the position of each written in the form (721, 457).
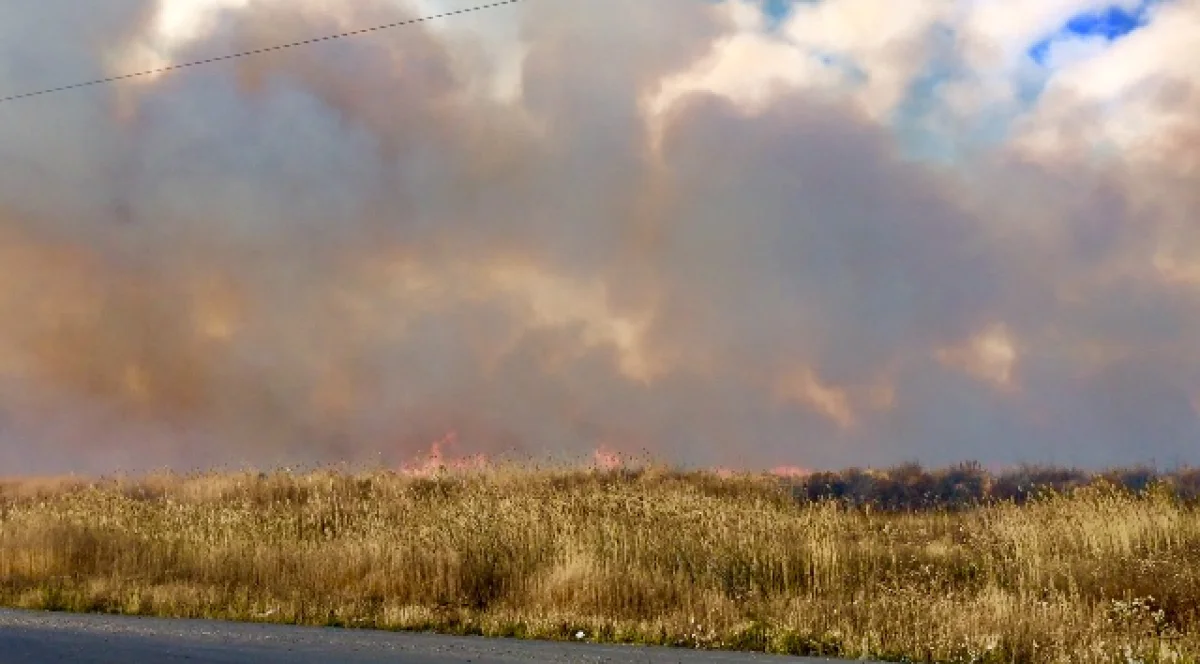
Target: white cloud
(889, 41)
(1123, 95)
(998, 33)
(751, 69)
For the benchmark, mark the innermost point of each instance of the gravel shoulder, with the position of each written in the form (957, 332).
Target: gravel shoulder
(37, 638)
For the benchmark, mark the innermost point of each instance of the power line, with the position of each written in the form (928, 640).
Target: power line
(259, 51)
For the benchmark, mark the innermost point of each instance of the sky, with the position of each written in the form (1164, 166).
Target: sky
(719, 233)
(1105, 25)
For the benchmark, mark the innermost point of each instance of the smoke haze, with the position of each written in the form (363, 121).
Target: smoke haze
(646, 225)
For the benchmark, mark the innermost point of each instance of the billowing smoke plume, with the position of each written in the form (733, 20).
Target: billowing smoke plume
(645, 225)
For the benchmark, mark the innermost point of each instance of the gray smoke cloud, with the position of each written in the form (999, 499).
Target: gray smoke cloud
(346, 251)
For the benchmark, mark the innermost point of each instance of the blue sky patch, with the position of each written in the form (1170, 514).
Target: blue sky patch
(777, 10)
(1109, 24)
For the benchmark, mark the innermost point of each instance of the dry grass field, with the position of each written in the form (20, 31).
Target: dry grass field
(1092, 573)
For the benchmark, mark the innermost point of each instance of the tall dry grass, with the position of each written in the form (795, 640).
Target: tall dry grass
(651, 556)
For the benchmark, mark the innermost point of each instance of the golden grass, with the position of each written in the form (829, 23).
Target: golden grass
(647, 556)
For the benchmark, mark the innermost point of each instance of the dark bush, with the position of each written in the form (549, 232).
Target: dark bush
(910, 487)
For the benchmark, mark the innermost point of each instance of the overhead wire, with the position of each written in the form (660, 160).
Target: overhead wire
(259, 51)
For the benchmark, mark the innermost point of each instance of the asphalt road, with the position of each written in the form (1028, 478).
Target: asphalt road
(37, 638)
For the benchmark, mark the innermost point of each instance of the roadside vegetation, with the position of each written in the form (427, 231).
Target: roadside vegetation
(956, 565)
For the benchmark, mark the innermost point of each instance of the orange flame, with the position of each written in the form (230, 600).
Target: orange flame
(790, 472)
(437, 462)
(606, 458)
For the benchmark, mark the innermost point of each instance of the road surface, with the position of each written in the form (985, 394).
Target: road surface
(38, 638)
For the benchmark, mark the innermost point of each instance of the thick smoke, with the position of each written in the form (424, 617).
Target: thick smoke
(489, 226)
